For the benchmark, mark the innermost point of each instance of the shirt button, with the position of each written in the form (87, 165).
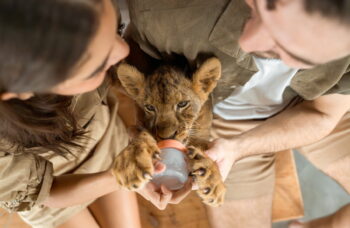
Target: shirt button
(233, 86)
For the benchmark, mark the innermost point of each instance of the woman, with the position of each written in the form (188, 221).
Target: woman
(50, 51)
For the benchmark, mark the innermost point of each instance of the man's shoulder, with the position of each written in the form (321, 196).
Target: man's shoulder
(332, 77)
(188, 27)
(180, 15)
(149, 5)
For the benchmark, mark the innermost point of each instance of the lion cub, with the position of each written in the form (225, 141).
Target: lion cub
(176, 106)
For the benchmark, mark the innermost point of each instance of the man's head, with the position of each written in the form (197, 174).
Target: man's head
(303, 33)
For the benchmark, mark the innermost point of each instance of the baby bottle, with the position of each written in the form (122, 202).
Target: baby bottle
(176, 172)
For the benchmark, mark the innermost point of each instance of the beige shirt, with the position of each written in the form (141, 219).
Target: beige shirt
(26, 178)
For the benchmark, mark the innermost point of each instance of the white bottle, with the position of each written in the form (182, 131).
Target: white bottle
(174, 157)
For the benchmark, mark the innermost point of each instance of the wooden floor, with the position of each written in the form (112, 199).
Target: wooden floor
(190, 213)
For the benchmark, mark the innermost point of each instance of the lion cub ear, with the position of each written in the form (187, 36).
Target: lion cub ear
(206, 77)
(132, 80)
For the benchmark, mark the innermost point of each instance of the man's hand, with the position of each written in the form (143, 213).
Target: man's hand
(303, 124)
(161, 197)
(222, 151)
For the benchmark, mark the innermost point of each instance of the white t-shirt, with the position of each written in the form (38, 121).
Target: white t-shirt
(261, 96)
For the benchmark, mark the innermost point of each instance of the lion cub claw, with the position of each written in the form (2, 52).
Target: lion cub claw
(206, 175)
(134, 165)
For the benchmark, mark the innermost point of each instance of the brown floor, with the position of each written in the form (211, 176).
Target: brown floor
(188, 214)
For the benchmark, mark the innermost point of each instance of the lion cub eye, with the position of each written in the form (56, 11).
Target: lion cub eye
(150, 108)
(182, 104)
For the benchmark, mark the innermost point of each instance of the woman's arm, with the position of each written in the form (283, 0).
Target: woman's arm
(74, 189)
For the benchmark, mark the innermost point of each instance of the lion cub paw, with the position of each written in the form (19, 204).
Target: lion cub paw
(134, 165)
(207, 176)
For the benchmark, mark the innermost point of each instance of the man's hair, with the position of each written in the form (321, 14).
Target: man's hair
(41, 42)
(336, 9)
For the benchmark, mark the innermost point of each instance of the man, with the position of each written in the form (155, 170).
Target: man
(285, 73)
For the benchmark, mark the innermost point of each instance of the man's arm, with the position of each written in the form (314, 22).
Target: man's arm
(301, 125)
(304, 124)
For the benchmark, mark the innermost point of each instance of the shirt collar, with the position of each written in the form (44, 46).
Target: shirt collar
(227, 31)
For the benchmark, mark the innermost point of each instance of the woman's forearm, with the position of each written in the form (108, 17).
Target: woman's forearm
(74, 189)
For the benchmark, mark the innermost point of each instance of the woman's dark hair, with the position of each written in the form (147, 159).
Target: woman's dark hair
(45, 123)
(337, 9)
(41, 41)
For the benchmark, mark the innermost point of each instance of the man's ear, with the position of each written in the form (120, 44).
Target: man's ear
(132, 80)
(206, 77)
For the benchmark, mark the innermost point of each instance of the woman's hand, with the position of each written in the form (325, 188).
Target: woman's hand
(160, 197)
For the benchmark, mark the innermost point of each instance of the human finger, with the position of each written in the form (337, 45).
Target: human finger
(165, 197)
(149, 192)
(179, 195)
(158, 167)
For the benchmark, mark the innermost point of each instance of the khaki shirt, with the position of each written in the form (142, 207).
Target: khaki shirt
(192, 27)
(26, 178)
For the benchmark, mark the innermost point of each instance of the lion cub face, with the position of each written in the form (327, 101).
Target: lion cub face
(171, 101)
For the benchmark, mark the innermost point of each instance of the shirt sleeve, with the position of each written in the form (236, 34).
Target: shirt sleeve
(343, 85)
(25, 180)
